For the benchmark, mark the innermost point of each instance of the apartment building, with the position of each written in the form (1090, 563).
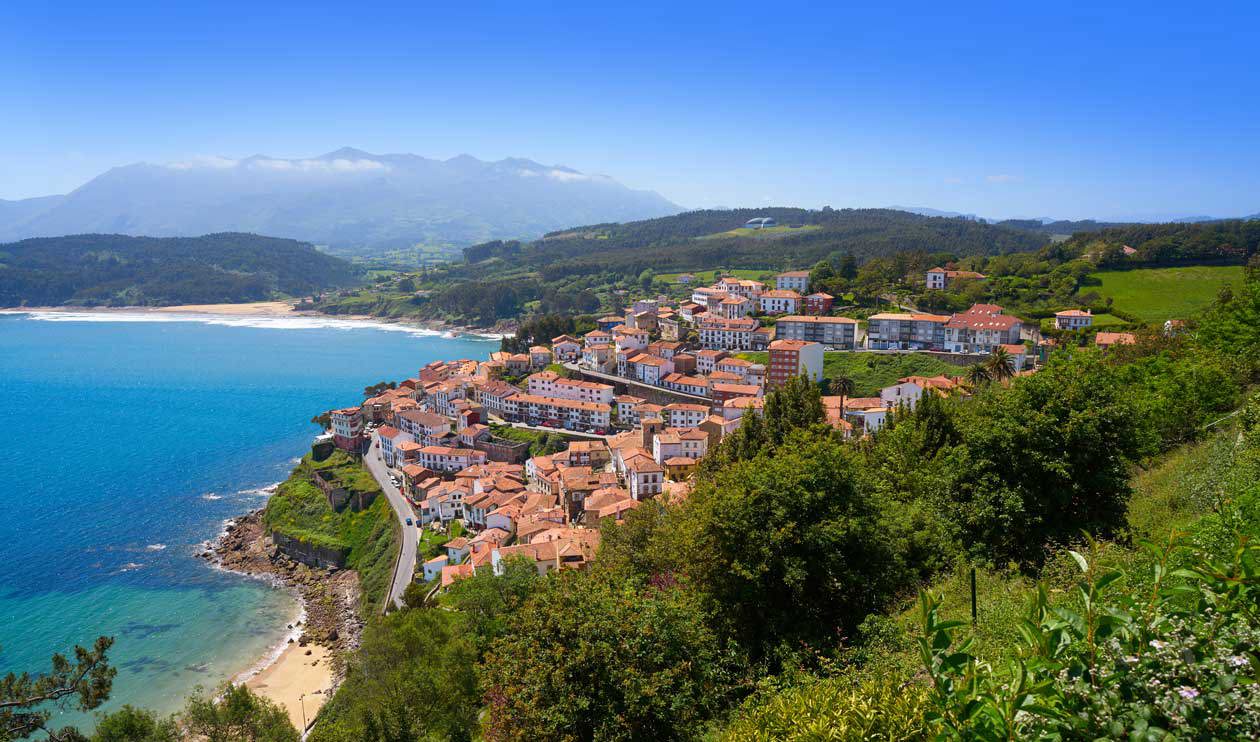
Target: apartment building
(980, 329)
(892, 331)
(837, 333)
(790, 358)
(727, 334)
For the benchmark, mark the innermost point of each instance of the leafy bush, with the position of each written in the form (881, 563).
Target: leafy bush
(847, 708)
(1181, 656)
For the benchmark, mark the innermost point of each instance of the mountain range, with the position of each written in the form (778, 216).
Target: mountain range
(343, 199)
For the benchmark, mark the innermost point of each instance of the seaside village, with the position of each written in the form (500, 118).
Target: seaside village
(639, 405)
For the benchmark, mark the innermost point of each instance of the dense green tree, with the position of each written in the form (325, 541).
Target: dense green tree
(237, 715)
(83, 683)
(848, 267)
(786, 548)
(1049, 456)
(487, 601)
(412, 678)
(822, 272)
(794, 406)
(1232, 324)
(1000, 365)
(596, 656)
(131, 724)
(978, 375)
(630, 547)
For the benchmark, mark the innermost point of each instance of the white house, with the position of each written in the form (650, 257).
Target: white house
(780, 301)
(905, 393)
(797, 281)
(433, 567)
(1073, 319)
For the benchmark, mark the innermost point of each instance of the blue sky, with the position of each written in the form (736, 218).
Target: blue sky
(1103, 110)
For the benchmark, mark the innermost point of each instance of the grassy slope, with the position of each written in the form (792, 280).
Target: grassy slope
(766, 233)
(1162, 501)
(299, 509)
(1157, 294)
(707, 277)
(873, 371)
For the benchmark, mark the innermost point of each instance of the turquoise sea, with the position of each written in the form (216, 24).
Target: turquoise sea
(129, 440)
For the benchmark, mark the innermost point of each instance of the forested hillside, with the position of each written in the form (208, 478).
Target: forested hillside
(118, 270)
(1230, 241)
(589, 269)
(699, 239)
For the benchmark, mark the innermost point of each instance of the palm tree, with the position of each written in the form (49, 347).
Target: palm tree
(841, 386)
(1001, 366)
(977, 375)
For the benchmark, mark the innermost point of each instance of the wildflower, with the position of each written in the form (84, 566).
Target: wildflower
(1237, 661)
(1130, 659)
(1188, 693)
(1157, 644)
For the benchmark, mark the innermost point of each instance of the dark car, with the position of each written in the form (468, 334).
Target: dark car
(409, 521)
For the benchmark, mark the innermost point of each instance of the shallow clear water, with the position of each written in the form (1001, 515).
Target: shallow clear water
(128, 440)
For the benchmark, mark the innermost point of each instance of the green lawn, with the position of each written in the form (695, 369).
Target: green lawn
(766, 232)
(1157, 294)
(874, 371)
(1100, 320)
(431, 541)
(704, 278)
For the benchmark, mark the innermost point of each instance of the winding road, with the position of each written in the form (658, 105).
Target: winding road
(405, 569)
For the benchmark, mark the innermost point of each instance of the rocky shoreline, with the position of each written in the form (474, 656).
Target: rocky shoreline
(330, 597)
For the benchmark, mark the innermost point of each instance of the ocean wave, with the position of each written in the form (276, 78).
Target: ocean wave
(258, 322)
(211, 496)
(155, 547)
(266, 490)
(129, 567)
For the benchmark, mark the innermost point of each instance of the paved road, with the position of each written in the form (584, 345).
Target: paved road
(405, 570)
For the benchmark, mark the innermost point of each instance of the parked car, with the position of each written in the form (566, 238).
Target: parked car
(409, 521)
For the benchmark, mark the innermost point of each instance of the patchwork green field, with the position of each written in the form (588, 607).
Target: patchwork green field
(1157, 294)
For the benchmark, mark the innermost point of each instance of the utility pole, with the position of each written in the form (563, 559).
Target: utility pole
(973, 596)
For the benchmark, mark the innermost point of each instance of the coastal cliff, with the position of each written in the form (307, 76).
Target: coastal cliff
(331, 597)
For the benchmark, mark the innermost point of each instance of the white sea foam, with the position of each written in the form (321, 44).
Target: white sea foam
(155, 547)
(211, 496)
(130, 567)
(264, 491)
(259, 322)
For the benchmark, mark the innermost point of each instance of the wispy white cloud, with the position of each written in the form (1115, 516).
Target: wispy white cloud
(295, 166)
(564, 176)
(209, 162)
(1002, 178)
(319, 166)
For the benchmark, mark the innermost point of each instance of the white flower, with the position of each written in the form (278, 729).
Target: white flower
(1157, 644)
(1237, 661)
(1188, 693)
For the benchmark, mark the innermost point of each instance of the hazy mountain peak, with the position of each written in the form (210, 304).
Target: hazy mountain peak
(348, 153)
(345, 198)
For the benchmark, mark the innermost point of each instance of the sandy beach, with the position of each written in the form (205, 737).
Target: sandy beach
(299, 680)
(254, 308)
